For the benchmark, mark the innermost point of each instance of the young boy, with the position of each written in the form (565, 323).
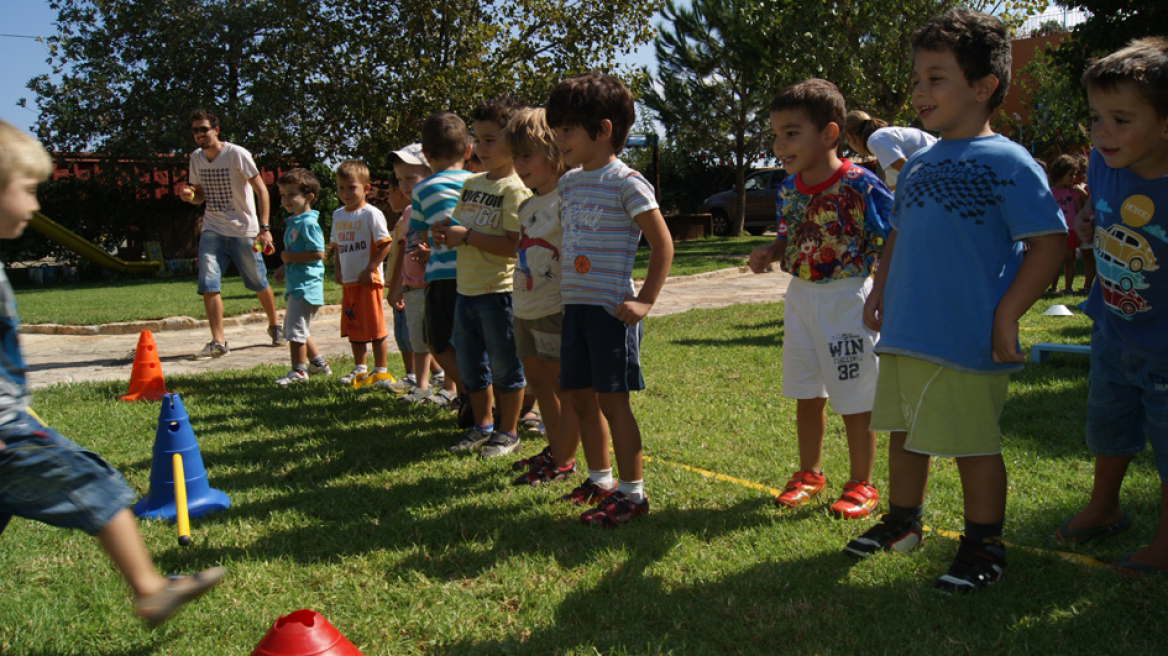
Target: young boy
(485, 229)
(445, 146)
(605, 208)
(361, 239)
(830, 215)
(46, 477)
(536, 294)
(1127, 93)
(399, 202)
(949, 290)
(303, 269)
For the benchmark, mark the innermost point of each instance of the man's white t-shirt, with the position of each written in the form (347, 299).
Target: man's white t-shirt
(893, 143)
(230, 208)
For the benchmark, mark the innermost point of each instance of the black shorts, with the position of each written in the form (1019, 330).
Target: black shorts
(438, 318)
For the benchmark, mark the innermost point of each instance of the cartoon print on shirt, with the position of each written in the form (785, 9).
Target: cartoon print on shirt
(1123, 253)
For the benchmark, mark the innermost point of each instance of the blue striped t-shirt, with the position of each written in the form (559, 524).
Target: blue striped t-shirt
(433, 202)
(600, 236)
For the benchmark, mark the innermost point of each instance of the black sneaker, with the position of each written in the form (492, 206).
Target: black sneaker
(977, 565)
(893, 533)
(532, 463)
(472, 439)
(546, 474)
(500, 444)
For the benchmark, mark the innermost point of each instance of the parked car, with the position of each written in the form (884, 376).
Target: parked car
(760, 203)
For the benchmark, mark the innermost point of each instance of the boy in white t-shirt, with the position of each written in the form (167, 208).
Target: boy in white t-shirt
(361, 241)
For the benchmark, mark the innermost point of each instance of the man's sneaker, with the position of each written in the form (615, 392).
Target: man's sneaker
(292, 377)
(546, 474)
(211, 350)
(614, 510)
(277, 335)
(415, 396)
(803, 487)
(977, 565)
(532, 463)
(324, 369)
(348, 378)
(587, 494)
(893, 533)
(500, 444)
(858, 501)
(442, 399)
(472, 439)
(403, 385)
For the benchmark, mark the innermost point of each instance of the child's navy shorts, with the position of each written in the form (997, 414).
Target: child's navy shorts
(598, 350)
(47, 478)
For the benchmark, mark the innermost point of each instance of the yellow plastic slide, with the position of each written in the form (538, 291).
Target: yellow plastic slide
(86, 248)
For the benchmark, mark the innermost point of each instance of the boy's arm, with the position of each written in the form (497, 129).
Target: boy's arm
(500, 245)
(278, 274)
(660, 259)
(1084, 224)
(762, 257)
(874, 306)
(379, 255)
(1041, 263)
(395, 277)
(337, 277)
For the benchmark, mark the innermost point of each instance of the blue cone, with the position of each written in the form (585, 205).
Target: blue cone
(175, 436)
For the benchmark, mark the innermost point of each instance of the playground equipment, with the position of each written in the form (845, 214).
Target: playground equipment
(88, 249)
(175, 438)
(146, 377)
(304, 633)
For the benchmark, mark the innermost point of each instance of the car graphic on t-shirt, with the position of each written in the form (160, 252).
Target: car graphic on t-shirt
(1127, 303)
(1126, 246)
(1117, 273)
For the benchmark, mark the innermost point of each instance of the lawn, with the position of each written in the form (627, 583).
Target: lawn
(129, 299)
(349, 505)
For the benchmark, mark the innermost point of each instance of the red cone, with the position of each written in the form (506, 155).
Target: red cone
(304, 633)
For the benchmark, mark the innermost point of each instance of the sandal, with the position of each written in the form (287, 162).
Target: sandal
(530, 419)
(158, 607)
(1066, 536)
(1136, 571)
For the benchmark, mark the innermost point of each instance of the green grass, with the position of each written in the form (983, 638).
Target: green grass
(349, 505)
(130, 299)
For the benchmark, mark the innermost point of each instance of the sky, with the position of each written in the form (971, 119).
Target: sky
(26, 58)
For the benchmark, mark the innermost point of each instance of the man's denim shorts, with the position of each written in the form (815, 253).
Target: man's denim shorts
(216, 251)
(1127, 404)
(47, 478)
(484, 341)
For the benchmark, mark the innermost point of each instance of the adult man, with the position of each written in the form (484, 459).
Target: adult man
(225, 176)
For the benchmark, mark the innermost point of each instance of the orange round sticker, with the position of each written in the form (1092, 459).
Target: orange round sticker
(583, 264)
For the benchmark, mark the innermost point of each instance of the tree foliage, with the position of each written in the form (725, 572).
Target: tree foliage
(1058, 106)
(1110, 25)
(308, 79)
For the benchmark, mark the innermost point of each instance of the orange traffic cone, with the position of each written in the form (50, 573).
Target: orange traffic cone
(146, 376)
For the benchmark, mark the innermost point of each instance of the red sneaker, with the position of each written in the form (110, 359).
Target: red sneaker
(586, 494)
(803, 487)
(615, 509)
(532, 463)
(858, 501)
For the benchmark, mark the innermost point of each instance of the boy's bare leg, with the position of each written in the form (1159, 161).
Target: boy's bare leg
(359, 351)
(310, 349)
(121, 540)
(409, 362)
(509, 407)
(480, 402)
(543, 379)
(213, 306)
(1088, 268)
(1103, 508)
(1069, 270)
(593, 428)
(422, 368)
(567, 438)
(449, 362)
(626, 435)
(381, 353)
(298, 352)
(908, 473)
(267, 301)
(983, 484)
(810, 427)
(861, 445)
(1156, 553)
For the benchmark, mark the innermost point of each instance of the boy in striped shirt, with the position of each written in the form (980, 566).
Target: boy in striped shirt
(605, 208)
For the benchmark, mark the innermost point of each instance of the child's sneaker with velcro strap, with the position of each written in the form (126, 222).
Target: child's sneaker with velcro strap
(858, 500)
(977, 565)
(587, 494)
(892, 533)
(802, 488)
(472, 439)
(616, 509)
(532, 463)
(356, 373)
(547, 474)
(500, 444)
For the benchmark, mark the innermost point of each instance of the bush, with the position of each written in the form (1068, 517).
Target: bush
(687, 178)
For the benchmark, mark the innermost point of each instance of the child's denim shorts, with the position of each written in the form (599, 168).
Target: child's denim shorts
(1127, 405)
(484, 341)
(47, 478)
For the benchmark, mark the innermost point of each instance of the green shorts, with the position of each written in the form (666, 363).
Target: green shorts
(945, 412)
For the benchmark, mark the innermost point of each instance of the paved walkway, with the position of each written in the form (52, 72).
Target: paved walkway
(53, 359)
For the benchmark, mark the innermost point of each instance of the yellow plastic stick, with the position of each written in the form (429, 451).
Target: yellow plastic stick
(180, 501)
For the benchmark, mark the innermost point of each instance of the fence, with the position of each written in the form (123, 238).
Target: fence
(1058, 19)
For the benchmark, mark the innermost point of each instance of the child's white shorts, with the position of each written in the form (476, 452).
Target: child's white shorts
(828, 352)
(415, 302)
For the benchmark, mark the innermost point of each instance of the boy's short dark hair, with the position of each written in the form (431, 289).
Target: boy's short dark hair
(588, 99)
(355, 170)
(820, 99)
(304, 180)
(444, 136)
(1144, 63)
(203, 115)
(498, 110)
(979, 42)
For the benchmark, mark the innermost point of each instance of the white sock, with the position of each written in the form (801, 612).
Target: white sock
(360, 369)
(633, 490)
(602, 478)
(380, 370)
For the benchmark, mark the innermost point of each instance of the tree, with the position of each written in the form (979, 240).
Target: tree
(1058, 106)
(1110, 25)
(309, 80)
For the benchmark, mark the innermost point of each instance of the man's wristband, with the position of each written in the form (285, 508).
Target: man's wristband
(265, 228)
(465, 237)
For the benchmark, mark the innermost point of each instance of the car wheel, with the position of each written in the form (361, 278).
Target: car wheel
(721, 223)
(1128, 308)
(756, 231)
(1136, 264)
(1125, 283)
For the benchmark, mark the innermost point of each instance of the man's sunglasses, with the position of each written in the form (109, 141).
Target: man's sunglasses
(201, 130)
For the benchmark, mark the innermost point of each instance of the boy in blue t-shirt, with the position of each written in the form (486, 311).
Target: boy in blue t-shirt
(951, 286)
(831, 214)
(303, 269)
(1127, 92)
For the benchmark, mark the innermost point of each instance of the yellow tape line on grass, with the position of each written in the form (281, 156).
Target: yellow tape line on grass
(1069, 557)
